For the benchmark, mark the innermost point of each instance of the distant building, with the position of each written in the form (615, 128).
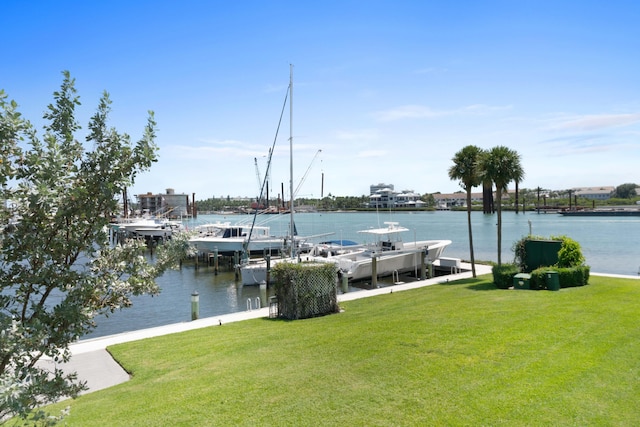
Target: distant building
(449, 200)
(408, 199)
(383, 196)
(380, 187)
(170, 204)
(594, 193)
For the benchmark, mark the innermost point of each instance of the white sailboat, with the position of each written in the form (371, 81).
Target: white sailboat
(254, 272)
(392, 255)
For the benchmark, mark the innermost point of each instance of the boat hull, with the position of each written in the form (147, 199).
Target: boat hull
(602, 212)
(229, 246)
(154, 233)
(358, 264)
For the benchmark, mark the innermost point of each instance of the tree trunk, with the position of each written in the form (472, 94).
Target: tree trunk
(487, 198)
(499, 204)
(473, 261)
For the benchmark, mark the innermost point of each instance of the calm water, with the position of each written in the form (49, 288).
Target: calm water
(610, 245)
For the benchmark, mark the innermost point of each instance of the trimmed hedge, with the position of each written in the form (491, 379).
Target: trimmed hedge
(568, 277)
(538, 280)
(503, 275)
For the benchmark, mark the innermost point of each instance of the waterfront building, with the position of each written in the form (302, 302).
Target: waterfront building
(170, 204)
(449, 200)
(409, 199)
(383, 196)
(594, 193)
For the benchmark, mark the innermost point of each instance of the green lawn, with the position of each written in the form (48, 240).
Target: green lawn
(462, 353)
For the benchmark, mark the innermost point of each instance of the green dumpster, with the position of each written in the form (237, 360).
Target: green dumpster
(552, 280)
(521, 281)
(541, 253)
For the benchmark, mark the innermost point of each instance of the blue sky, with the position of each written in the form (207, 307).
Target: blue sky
(387, 90)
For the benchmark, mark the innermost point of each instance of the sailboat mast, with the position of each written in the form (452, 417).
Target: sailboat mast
(291, 224)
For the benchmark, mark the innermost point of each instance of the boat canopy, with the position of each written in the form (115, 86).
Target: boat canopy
(392, 228)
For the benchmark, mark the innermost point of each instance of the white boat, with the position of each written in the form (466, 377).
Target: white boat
(228, 239)
(355, 261)
(392, 255)
(254, 272)
(148, 227)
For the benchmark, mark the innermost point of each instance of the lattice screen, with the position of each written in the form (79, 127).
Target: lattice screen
(306, 290)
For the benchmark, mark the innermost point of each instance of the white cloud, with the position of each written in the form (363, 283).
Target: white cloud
(362, 134)
(373, 153)
(408, 112)
(597, 121)
(424, 112)
(226, 147)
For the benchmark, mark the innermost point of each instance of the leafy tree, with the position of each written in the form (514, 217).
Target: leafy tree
(428, 199)
(465, 170)
(625, 191)
(57, 268)
(501, 165)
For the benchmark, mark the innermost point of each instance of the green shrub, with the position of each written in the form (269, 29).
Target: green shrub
(568, 277)
(570, 254)
(574, 276)
(503, 275)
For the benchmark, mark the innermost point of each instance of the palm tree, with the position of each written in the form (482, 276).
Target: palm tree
(501, 165)
(487, 197)
(465, 169)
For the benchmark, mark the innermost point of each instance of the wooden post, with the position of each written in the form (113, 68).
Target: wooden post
(195, 305)
(374, 271)
(236, 263)
(268, 275)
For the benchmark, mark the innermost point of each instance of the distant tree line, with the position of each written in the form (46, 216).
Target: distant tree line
(329, 202)
(528, 198)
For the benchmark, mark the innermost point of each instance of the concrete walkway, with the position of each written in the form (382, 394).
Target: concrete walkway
(94, 364)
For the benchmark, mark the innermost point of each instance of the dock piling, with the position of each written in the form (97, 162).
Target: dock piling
(195, 305)
(374, 271)
(236, 263)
